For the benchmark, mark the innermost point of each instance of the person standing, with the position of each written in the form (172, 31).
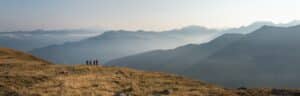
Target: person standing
(90, 62)
(96, 61)
(87, 62)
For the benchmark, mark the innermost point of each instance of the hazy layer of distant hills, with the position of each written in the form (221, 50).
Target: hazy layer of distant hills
(116, 44)
(176, 60)
(29, 40)
(267, 57)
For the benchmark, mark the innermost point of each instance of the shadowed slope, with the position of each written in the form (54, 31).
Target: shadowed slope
(268, 57)
(175, 60)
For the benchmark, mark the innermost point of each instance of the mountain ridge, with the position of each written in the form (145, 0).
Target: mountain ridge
(168, 59)
(259, 54)
(115, 44)
(265, 54)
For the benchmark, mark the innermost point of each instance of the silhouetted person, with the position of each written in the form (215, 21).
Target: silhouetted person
(87, 62)
(93, 62)
(96, 61)
(90, 62)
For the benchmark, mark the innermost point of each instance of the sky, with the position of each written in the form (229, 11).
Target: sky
(142, 14)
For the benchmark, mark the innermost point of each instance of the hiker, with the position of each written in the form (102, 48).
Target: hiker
(91, 62)
(96, 62)
(87, 62)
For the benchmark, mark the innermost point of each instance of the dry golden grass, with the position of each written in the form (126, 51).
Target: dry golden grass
(25, 75)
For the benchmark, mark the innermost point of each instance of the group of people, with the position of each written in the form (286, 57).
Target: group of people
(92, 62)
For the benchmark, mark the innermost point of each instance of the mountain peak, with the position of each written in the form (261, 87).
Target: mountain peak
(267, 26)
(195, 28)
(262, 23)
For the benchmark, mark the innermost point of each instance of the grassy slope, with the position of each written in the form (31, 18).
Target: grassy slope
(22, 74)
(25, 75)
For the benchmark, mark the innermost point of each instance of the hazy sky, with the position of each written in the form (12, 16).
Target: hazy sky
(141, 14)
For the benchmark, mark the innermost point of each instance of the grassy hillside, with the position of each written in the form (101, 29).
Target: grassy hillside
(25, 75)
(22, 74)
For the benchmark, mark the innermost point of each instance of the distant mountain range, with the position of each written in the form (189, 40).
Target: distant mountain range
(29, 40)
(256, 25)
(175, 60)
(267, 57)
(116, 44)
